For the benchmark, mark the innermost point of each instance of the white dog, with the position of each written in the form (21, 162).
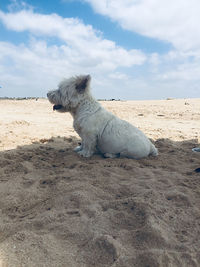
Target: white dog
(99, 129)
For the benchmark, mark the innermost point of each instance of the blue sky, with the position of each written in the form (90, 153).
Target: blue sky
(133, 49)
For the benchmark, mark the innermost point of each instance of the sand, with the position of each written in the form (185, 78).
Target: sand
(58, 209)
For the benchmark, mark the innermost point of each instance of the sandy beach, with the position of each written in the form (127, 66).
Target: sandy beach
(60, 210)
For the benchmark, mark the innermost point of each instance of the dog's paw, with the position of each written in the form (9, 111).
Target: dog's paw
(85, 153)
(78, 148)
(110, 155)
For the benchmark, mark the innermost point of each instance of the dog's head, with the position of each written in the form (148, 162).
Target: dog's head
(70, 93)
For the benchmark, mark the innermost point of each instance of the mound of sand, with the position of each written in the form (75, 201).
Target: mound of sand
(58, 209)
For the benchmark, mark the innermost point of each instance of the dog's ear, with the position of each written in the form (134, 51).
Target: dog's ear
(82, 84)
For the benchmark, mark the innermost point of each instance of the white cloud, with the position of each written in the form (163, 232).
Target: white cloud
(77, 36)
(83, 50)
(36, 66)
(176, 73)
(174, 21)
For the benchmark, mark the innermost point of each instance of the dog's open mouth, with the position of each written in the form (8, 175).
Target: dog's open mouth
(57, 107)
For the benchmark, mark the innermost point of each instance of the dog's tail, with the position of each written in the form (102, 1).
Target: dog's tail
(153, 151)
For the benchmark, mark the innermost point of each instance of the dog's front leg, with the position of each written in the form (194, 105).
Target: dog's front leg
(88, 146)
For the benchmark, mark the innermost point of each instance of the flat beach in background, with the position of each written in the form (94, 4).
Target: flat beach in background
(58, 209)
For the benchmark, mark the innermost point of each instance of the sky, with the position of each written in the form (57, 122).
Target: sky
(133, 49)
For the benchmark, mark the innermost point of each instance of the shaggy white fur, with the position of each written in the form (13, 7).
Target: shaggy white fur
(100, 130)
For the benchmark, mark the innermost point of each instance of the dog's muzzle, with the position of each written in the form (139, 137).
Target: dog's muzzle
(51, 96)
